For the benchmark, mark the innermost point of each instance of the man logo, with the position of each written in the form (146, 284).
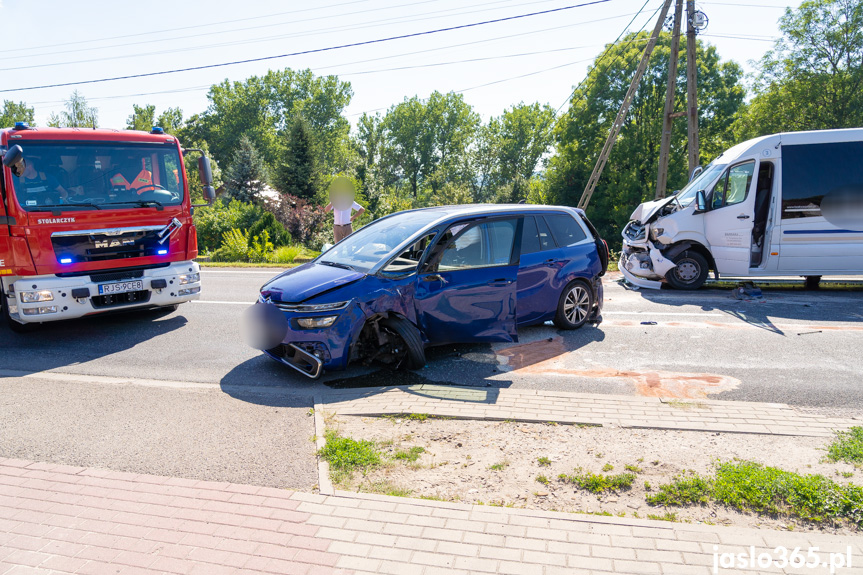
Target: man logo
(114, 243)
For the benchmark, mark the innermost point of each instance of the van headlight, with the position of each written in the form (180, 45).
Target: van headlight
(36, 296)
(316, 322)
(189, 278)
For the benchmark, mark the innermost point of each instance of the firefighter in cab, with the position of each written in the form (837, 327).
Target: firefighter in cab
(140, 183)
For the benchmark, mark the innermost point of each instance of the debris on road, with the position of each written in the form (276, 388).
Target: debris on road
(747, 290)
(648, 323)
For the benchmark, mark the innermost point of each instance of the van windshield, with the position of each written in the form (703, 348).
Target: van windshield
(687, 195)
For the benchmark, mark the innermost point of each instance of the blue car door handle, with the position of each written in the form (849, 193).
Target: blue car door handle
(500, 282)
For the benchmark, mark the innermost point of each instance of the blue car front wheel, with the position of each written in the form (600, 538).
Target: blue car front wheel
(575, 305)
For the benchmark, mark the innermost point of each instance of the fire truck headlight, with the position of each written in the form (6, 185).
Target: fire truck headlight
(189, 278)
(36, 296)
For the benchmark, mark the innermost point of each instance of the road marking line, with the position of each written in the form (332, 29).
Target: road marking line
(680, 313)
(222, 302)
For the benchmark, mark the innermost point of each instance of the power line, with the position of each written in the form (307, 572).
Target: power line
(325, 30)
(232, 21)
(389, 57)
(754, 39)
(313, 51)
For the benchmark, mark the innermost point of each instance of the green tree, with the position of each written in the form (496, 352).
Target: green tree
(425, 143)
(813, 77)
(263, 108)
(630, 175)
(12, 112)
(246, 177)
(142, 118)
(171, 120)
(298, 173)
(78, 114)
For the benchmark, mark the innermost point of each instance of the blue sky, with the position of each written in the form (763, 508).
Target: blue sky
(538, 58)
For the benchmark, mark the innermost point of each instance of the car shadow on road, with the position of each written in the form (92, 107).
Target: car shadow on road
(72, 342)
(775, 311)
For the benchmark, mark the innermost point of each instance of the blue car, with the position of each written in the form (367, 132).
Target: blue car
(419, 278)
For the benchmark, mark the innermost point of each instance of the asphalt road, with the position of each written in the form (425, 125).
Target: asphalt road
(184, 395)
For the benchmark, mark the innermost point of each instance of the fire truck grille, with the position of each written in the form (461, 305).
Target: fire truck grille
(117, 276)
(114, 300)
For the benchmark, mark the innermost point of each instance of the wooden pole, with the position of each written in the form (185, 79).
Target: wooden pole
(624, 108)
(670, 93)
(691, 87)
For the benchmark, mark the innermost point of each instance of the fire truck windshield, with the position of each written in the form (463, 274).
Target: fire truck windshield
(84, 176)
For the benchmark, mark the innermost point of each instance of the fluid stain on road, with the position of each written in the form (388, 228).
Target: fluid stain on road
(545, 357)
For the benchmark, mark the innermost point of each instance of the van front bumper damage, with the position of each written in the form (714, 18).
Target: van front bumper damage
(641, 262)
(39, 299)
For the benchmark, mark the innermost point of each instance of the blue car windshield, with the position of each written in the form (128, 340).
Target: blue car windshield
(374, 243)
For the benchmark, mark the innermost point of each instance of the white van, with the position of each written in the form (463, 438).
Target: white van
(781, 205)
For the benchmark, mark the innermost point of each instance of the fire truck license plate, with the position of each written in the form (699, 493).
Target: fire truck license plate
(121, 287)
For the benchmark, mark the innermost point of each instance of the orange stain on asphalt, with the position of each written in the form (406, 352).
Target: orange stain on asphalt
(544, 358)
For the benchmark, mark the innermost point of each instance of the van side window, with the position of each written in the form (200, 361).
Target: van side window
(812, 173)
(733, 187)
(565, 229)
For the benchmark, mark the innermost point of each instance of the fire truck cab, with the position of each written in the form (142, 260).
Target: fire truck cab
(94, 220)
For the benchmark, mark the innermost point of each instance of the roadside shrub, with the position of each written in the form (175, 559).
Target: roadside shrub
(234, 247)
(346, 454)
(214, 221)
(301, 218)
(277, 232)
(597, 482)
(848, 446)
(286, 254)
(682, 491)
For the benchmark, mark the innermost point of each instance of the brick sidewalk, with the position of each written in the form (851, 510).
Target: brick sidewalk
(585, 408)
(61, 519)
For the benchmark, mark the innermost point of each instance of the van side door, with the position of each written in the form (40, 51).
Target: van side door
(729, 219)
(466, 291)
(821, 211)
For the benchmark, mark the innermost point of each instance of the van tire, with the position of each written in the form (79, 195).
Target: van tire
(415, 356)
(813, 282)
(575, 305)
(690, 272)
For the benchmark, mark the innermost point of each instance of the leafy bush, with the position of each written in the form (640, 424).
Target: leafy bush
(234, 247)
(346, 454)
(214, 221)
(286, 254)
(598, 483)
(277, 232)
(682, 491)
(848, 446)
(301, 218)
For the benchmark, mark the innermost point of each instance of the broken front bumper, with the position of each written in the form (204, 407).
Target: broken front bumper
(641, 262)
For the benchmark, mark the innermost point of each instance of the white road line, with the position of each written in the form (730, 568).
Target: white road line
(223, 302)
(675, 313)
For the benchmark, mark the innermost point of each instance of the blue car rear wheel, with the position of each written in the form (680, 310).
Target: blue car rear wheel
(575, 306)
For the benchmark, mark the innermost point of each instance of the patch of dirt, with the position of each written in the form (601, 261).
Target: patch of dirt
(459, 455)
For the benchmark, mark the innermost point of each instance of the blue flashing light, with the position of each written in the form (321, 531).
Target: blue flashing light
(161, 252)
(22, 126)
(157, 130)
(65, 260)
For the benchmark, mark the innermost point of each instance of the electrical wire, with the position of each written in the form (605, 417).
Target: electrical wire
(305, 33)
(312, 51)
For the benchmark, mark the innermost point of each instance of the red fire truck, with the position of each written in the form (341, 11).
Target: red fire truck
(95, 220)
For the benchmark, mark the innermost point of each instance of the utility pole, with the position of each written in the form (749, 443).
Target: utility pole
(691, 86)
(670, 92)
(624, 108)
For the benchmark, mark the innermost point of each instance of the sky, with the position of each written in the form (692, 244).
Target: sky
(537, 58)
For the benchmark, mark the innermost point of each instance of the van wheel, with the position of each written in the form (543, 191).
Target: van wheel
(813, 282)
(415, 356)
(690, 273)
(574, 306)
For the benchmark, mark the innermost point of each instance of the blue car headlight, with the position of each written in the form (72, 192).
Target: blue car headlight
(316, 322)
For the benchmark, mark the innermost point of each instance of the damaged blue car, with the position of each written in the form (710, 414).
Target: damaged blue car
(420, 278)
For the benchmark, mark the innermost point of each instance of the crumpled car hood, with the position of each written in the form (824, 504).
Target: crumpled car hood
(307, 281)
(644, 212)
